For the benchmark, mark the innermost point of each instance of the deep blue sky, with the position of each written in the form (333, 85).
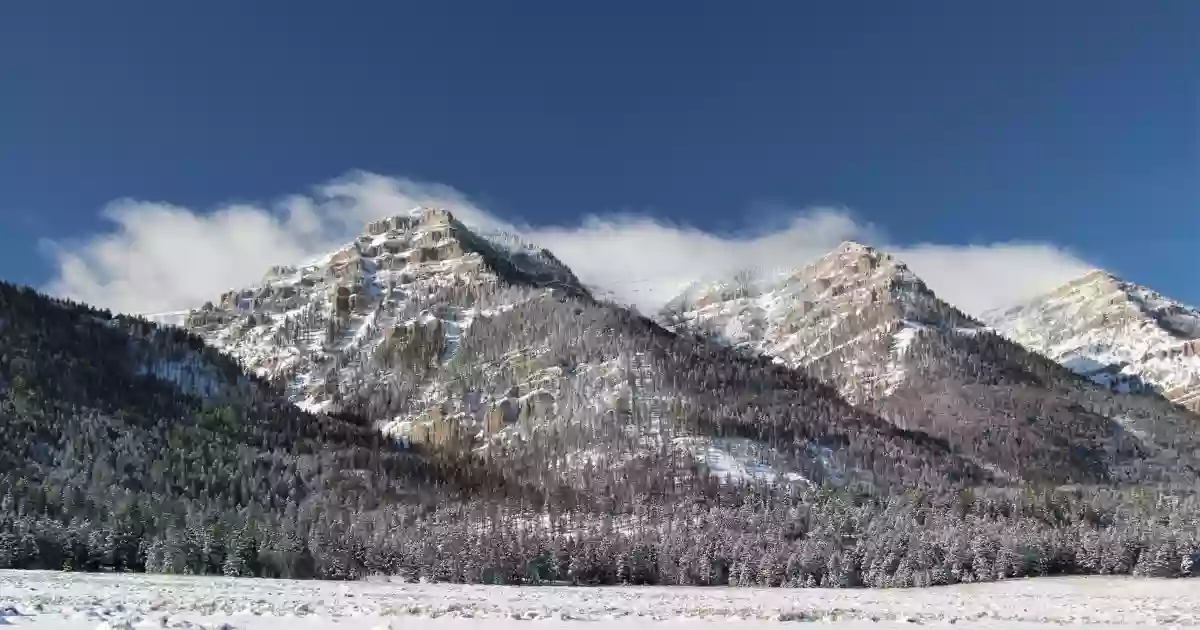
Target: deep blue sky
(1073, 121)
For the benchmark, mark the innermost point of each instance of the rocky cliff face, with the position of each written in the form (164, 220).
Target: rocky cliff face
(421, 277)
(862, 321)
(1115, 333)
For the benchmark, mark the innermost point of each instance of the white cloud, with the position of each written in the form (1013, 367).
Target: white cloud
(977, 278)
(160, 257)
(647, 262)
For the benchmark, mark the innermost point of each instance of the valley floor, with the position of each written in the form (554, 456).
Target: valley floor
(35, 600)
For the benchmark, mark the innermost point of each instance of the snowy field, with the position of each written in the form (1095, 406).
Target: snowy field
(72, 601)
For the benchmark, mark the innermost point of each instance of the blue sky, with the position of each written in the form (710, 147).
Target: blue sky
(1072, 123)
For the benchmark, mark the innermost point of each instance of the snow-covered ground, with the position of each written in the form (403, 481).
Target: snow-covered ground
(70, 601)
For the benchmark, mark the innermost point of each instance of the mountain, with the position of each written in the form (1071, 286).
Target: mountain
(862, 321)
(126, 446)
(450, 339)
(404, 275)
(131, 447)
(1115, 333)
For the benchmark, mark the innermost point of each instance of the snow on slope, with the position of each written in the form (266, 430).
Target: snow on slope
(740, 460)
(1114, 332)
(168, 318)
(71, 601)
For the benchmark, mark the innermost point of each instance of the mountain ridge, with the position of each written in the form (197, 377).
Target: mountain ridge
(861, 320)
(390, 328)
(495, 348)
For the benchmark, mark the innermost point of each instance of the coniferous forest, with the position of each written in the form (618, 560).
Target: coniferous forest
(125, 446)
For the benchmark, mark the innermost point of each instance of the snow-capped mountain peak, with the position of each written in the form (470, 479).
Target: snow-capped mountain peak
(862, 266)
(303, 323)
(1114, 332)
(793, 315)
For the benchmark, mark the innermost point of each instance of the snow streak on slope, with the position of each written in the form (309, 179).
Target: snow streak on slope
(739, 460)
(168, 318)
(72, 601)
(1115, 333)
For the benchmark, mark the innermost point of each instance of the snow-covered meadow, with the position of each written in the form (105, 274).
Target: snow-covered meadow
(74, 601)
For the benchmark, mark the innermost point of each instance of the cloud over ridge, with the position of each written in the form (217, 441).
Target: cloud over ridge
(160, 257)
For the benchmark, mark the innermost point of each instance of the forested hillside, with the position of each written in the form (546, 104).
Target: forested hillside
(563, 440)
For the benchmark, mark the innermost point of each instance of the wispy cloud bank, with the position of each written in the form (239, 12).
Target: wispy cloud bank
(160, 257)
